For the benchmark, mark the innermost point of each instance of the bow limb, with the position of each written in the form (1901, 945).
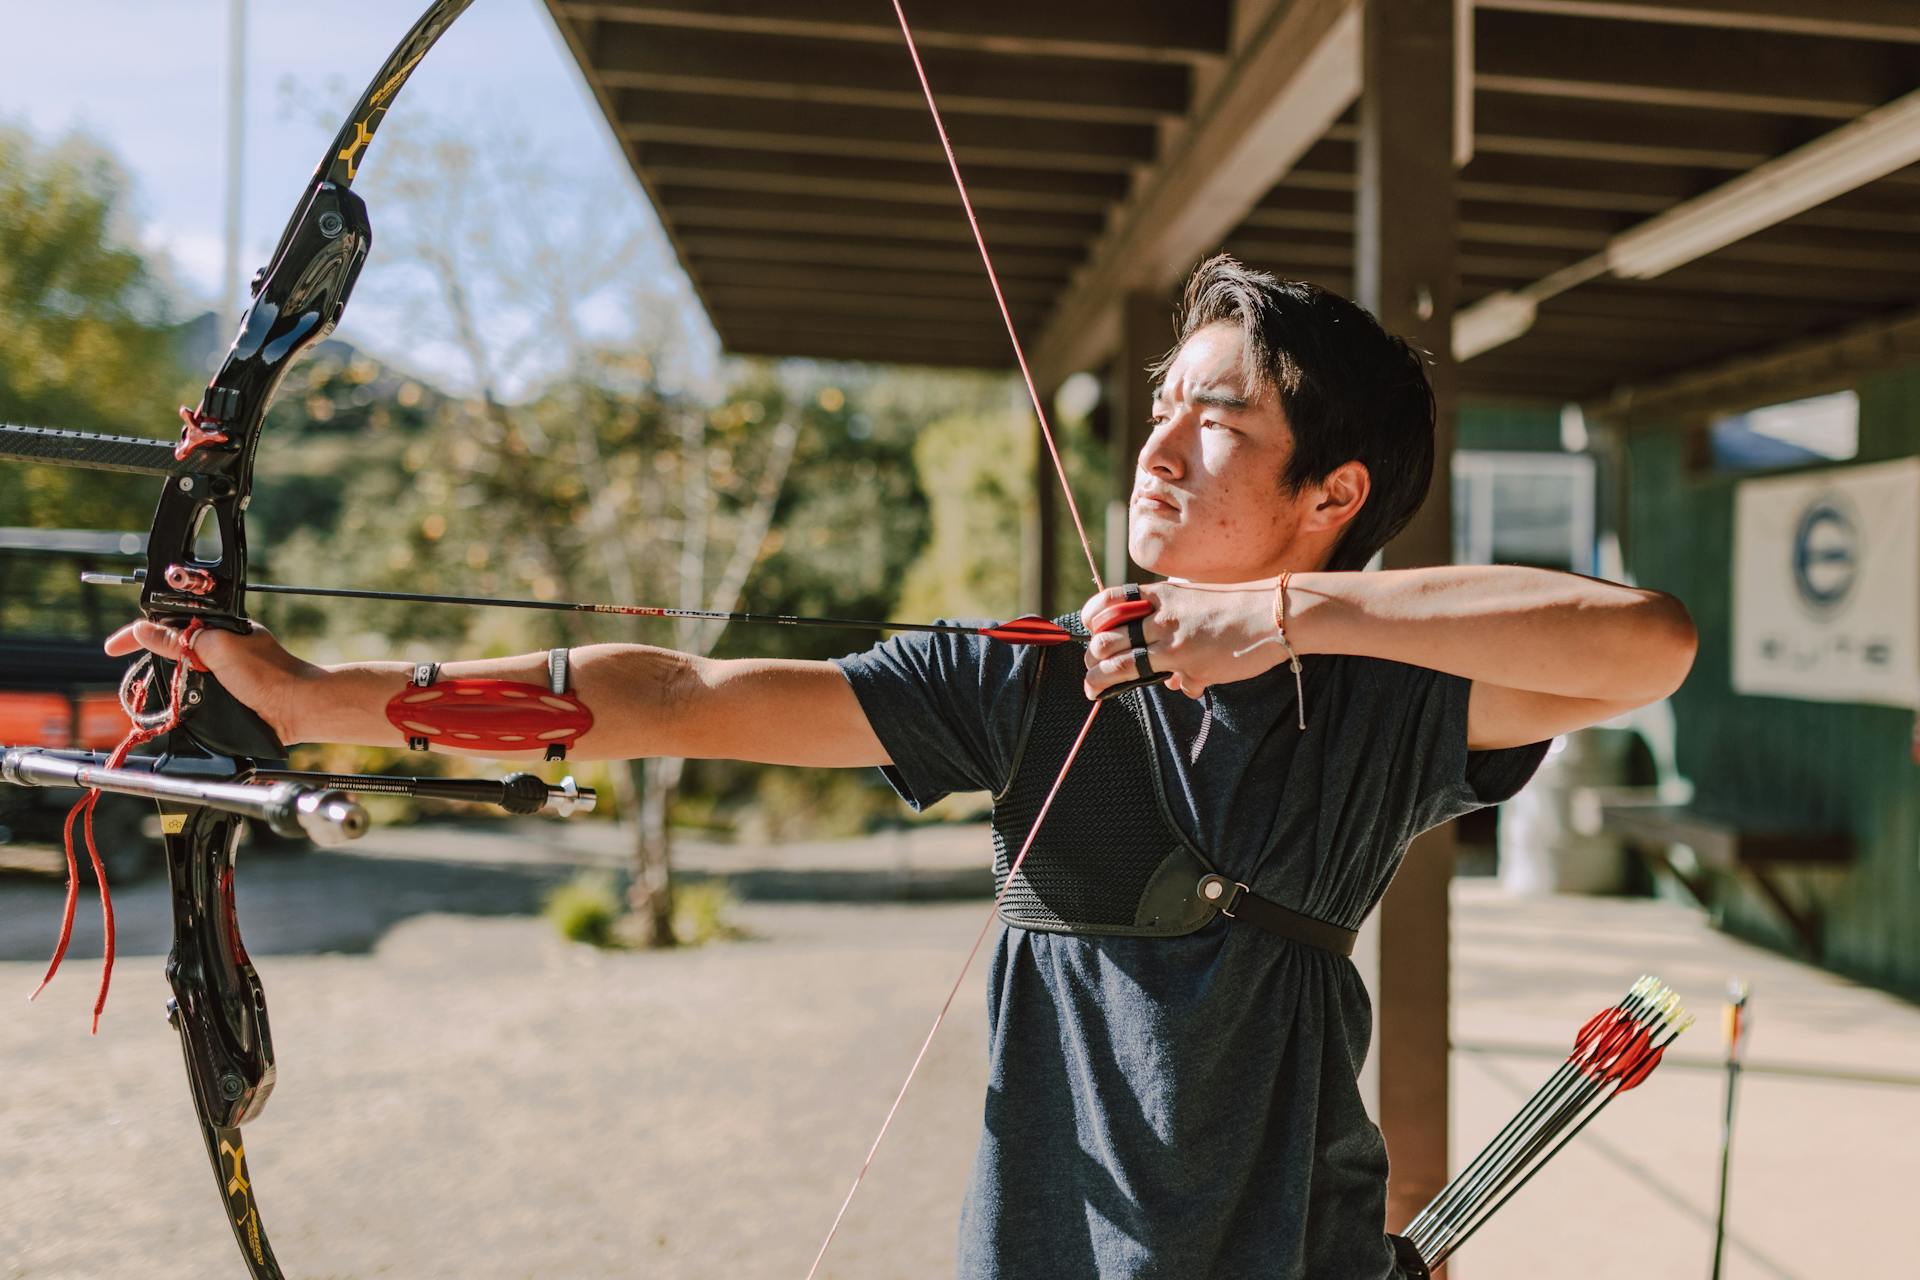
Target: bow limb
(196, 573)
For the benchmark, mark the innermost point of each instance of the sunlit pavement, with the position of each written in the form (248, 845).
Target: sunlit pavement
(462, 1094)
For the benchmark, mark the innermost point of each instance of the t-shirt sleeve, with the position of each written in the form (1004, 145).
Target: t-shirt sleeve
(1454, 780)
(947, 708)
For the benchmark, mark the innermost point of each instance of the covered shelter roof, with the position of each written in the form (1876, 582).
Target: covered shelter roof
(1646, 188)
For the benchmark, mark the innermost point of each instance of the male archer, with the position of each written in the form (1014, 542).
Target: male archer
(1173, 1090)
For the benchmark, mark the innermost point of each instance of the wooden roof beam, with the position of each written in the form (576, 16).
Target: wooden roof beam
(1287, 82)
(800, 305)
(1663, 65)
(670, 163)
(723, 209)
(1689, 243)
(1805, 366)
(1510, 227)
(1138, 30)
(686, 61)
(1557, 181)
(858, 252)
(831, 128)
(783, 219)
(718, 273)
(805, 343)
(1895, 20)
(1629, 133)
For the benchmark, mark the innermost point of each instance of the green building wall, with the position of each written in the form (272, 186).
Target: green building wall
(1778, 760)
(1768, 760)
(1519, 428)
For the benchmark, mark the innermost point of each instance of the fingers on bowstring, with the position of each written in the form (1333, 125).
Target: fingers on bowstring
(1100, 603)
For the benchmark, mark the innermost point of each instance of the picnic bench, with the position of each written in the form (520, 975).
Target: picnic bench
(1753, 851)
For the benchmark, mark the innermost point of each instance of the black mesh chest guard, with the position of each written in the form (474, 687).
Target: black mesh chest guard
(1109, 859)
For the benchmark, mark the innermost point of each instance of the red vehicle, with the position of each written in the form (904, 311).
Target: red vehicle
(58, 689)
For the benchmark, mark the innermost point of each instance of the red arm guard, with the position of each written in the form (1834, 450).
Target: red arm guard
(481, 714)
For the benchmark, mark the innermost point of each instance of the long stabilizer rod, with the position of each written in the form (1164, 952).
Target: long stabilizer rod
(94, 451)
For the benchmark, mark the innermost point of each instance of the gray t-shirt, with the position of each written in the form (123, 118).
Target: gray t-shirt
(1189, 1107)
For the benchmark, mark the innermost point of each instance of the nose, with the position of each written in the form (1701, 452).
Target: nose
(1161, 455)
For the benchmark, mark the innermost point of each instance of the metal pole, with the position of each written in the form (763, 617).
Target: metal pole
(1736, 1031)
(236, 147)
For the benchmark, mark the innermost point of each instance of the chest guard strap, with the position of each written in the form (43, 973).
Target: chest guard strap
(1111, 861)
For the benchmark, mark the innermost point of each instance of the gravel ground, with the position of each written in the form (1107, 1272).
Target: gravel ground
(467, 1095)
(463, 1094)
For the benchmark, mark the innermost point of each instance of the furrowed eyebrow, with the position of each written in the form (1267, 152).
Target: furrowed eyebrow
(1221, 400)
(1208, 399)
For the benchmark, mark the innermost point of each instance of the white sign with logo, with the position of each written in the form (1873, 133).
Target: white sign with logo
(1826, 585)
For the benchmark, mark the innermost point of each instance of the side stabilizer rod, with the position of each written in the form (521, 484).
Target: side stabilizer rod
(323, 815)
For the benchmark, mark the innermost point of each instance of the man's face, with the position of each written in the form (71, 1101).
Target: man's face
(1208, 504)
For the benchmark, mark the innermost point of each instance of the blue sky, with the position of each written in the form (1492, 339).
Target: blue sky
(148, 79)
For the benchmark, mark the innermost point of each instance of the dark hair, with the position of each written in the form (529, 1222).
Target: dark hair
(1351, 391)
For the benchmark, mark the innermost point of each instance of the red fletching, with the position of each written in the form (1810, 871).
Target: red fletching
(1616, 1049)
(1595, 1025)
(1642, 1071)
(1600, 1059)
(1119, 614)
(1028, 628)
(1630, 1054)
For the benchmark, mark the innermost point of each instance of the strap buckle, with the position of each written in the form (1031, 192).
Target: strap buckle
(1222, 893)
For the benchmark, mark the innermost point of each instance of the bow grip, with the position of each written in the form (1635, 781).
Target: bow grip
(213, 718)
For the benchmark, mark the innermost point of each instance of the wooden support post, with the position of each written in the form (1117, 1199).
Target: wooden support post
(1042, 594)
(1146, 332)
(1404, 268)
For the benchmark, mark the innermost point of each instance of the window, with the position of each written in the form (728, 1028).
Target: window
(1523, 508)
(1779, 436)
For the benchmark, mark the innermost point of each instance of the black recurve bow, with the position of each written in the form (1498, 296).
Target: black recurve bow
(207, 775)
(219, 1006)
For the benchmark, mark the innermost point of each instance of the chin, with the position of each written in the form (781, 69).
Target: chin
(1162, 556)
(1158, 554)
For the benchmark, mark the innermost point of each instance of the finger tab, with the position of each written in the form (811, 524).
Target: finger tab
(1114, 616)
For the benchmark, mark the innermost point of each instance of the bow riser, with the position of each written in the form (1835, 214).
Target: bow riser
(297, 302)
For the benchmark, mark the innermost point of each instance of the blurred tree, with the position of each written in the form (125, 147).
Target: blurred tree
(599, 451)
(571, 471)
(973, 563)
(85, 338)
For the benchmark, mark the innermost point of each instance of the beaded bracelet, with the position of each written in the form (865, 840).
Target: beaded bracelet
(1293, 659)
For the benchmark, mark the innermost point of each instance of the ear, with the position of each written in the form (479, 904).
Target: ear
(1339, 497)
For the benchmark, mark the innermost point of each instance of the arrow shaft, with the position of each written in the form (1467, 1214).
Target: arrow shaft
(567, 606)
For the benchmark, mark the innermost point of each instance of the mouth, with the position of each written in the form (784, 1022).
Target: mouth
(1152, 504)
